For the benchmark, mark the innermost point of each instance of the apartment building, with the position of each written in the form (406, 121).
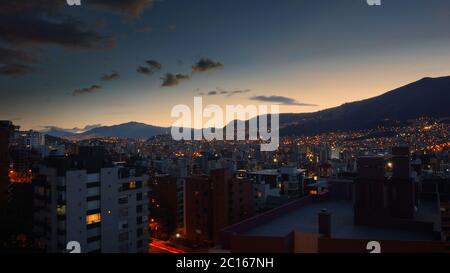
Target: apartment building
(102, 206)
(167, 204)
(7, 129)
(214, 201)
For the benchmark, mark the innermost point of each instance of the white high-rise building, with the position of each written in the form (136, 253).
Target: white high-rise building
(104, 210)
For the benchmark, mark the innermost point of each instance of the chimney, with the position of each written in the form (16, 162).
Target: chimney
(325, 223)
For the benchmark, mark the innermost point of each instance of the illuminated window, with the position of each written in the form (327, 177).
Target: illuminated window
(312, 192)
(93, 218)
(61, 210)
(132, 185)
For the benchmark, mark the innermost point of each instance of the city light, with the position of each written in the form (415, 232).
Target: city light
(24, 177)
(225, 127)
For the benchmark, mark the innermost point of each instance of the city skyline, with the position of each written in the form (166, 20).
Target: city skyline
(118, 132)
(141, 58)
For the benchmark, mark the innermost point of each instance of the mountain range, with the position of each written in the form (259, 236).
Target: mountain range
(428, 97)
(126, 130)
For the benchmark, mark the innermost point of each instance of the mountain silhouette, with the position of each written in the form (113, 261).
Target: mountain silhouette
(428, 97)
(126, 130)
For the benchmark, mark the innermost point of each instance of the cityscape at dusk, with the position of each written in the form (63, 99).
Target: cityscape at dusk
(318, 53)
(148, 126)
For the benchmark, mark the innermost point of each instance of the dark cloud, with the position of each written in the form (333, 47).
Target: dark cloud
(15, 62)
(109, 77)
(229, 93)
(26, 6)
(36, 23)
(206, 64)
(155, 65)
(15, 69)
(8, 55)
(170, 79)
(152, 67)
(280, 100)
(34, 30)
(28, 24)
(130, 7)
(41, 22)
(235, 92)
(143, 70)
(86, 90)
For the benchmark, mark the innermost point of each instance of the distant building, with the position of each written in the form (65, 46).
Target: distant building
(266, 183)
(403, 187)
(215, 201)
(292, 181)
(378, 197)
(167, 204)
(30, 140)
(370, 191)
(335, 153)
(347, 220)
(286, 182)
(54, 150)
(102, 206)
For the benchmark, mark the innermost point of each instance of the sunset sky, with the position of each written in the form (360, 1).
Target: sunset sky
(110, 61)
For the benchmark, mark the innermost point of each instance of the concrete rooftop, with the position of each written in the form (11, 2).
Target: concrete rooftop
(306, 219)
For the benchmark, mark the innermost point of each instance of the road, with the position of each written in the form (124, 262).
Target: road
(161, 247)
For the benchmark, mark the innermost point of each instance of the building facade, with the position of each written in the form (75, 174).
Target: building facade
(104, 209)
(6, 132)
(216, 201)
